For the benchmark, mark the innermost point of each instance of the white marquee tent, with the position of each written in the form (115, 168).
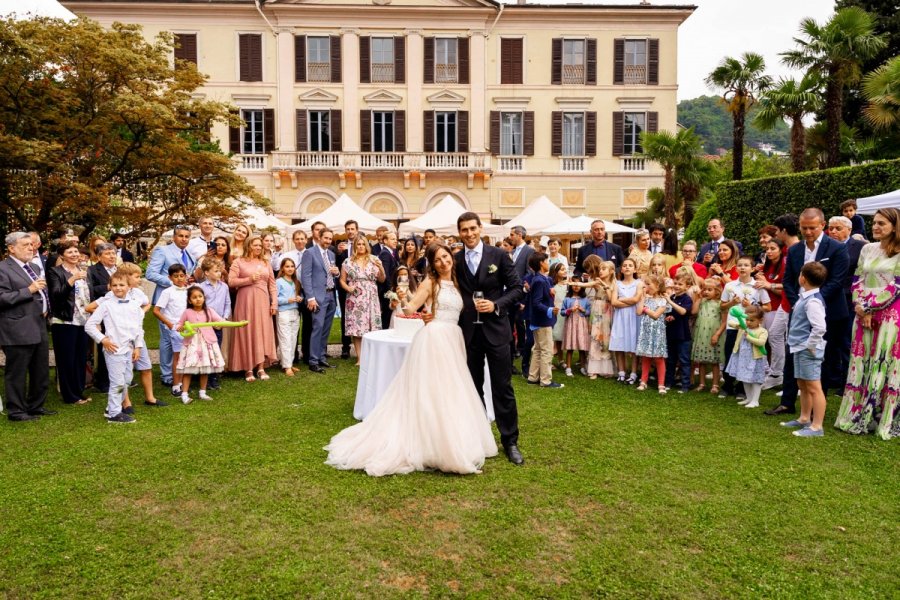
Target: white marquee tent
(538, 215)
(581, 225)
(442, 219)
(870, 205)
(340, 212)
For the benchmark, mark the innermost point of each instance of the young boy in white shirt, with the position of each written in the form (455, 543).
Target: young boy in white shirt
(122, 341)
(170, 305)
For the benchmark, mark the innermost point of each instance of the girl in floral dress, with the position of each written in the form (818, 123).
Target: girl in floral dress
(360, 276)
(600, 360)
(709, 330)
(200, 354)
(576, 336)
(651, 346)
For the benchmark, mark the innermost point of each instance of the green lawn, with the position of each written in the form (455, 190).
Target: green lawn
(623, 495)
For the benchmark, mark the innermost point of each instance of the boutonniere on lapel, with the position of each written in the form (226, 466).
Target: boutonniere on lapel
(492, 269)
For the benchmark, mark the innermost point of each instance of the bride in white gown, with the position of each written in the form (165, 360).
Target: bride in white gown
(430, 416)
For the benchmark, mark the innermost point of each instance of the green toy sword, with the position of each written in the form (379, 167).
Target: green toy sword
(190, 329)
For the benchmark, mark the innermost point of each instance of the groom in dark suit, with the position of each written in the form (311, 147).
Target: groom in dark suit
(484, 268)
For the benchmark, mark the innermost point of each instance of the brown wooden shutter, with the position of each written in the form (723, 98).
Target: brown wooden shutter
(234, 136)
(399, 131)
(556, 133)
(302, 137)
(365, 51)
(590, 134)
(652, 122)
(511, 61)
(429, 130)
(528, 132)
(250, 46)
(400, 59)
(463, 58)
(185, 48)
(619, 62)
(365, 130)
(335, 59)
(337, 131)
(268, 130)
(556, 59)
(590, 77)
(462, 131)
(300, 58)
(244, 57)
(618, 133)
(429, 60)
(494, 141)
(653, 62)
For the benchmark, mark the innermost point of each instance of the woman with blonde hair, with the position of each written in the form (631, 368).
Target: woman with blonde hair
(253, 347)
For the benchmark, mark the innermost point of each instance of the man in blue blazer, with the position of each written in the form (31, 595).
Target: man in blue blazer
(158, 272)
(599, 246)
(317, 276)
(816, 246)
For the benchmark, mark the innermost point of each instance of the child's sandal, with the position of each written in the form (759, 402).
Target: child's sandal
(700, 388)
(641, 387)
(714, 389)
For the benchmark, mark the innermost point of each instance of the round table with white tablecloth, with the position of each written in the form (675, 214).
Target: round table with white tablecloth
(381, 356)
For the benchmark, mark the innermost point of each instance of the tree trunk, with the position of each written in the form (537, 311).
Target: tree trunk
(833, 108)
(798, 144)
(669, 199)
(737, 152)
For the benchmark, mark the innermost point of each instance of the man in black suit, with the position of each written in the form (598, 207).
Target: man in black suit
(599, 246)
(24, 310)
(839, 229)
(709, 252)
(816, 246)
(122, 252)
(98, 284)
(377, 247)
(389, 260)
(520, 255)
(487, 269)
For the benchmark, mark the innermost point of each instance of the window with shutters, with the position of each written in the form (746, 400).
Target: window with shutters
(511, 61)
(573, 134)
(446, 64)
(252, 136)
(382, 131)
(635, 62)
(319, 131)
(250, 56)
(444, 131)
(382, 60)
(573, 62)
(185, 48)
(635, 124)
(511, 137)
(318, 58)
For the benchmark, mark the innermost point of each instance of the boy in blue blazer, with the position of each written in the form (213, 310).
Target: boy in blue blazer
(543, 317)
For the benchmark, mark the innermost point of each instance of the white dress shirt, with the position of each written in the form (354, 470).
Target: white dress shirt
(123, 321)
(810, 255)
(198, 247)
(473, 256)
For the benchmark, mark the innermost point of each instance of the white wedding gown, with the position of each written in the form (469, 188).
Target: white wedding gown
(430, 416)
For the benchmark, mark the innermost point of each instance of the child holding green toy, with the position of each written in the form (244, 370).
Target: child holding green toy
(748, 359)
(200, 355)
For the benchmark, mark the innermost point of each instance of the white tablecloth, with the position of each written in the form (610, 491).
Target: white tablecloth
(382, 355)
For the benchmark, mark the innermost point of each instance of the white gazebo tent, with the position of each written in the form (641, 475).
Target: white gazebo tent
(870, 205)
(581, 225)
(339, 213)
(442, 219)
(538, 215)
(259, 219)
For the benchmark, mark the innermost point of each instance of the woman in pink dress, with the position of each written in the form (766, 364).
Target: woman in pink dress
(253, 346)
(359, 277)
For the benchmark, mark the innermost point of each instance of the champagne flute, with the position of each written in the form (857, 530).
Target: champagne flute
(476, 296)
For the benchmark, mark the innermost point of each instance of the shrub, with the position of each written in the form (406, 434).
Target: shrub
(746, 206)
(696, 230)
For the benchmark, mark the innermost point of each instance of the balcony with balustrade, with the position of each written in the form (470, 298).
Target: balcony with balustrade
(510, 164)
(635, 75)
(572, 164)
(382, 72)
(446, 73)
(318, 71)
(573, 74)
(251, 162)
(634, 165)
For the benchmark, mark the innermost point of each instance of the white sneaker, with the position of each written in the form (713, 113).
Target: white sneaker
(584, 371)
(752, 405)
(779, 394)
(771, 382)
(569, 372)
(743, 402)
(185, 399)
(203, 395)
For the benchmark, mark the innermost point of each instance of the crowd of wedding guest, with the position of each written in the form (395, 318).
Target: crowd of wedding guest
(725, 317)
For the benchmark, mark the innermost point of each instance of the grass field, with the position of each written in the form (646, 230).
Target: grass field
(623, 495)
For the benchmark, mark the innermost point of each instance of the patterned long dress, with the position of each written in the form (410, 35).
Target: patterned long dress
(363, 311)
(873, 382)
(599, 357)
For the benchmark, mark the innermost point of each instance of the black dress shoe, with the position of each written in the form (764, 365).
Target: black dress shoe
(345, 355)
(42, 412)
(513, 454)
(327, 365)
(23, 417)
(781, 409)
(316, 369)
(514, 371)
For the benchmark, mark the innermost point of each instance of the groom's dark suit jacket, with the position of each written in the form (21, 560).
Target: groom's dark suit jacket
(497, 278)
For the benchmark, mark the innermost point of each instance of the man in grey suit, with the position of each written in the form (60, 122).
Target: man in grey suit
(317, 276)
(24, 310)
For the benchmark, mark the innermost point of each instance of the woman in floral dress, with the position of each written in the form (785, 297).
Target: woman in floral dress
(873, 382)
(359, 277)
(603, 274)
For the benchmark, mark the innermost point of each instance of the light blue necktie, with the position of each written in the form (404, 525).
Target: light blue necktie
(470, 260)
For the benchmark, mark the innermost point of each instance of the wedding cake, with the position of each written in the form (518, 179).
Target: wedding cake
(406, 326)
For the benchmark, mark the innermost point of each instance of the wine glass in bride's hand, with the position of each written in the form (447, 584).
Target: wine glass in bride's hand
(476, 296)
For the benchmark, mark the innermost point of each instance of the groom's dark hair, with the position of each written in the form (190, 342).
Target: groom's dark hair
(467, 216)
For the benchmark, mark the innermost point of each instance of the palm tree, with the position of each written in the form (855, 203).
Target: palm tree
(742, 82)
(881, 88)
(675, 153)
(791, 99)
(835, 51)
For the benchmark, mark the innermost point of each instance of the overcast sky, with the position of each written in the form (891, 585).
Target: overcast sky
(717, 28)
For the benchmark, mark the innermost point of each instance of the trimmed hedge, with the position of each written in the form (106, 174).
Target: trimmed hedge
(746, 206)
(696, 229)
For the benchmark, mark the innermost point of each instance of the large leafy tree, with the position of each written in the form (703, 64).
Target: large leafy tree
(881, 88)
(678, 155)
(742, 81)
(835, 51)
(791, 99)
(98, 129)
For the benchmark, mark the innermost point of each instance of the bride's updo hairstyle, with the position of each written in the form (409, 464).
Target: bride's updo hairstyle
(433, 274)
